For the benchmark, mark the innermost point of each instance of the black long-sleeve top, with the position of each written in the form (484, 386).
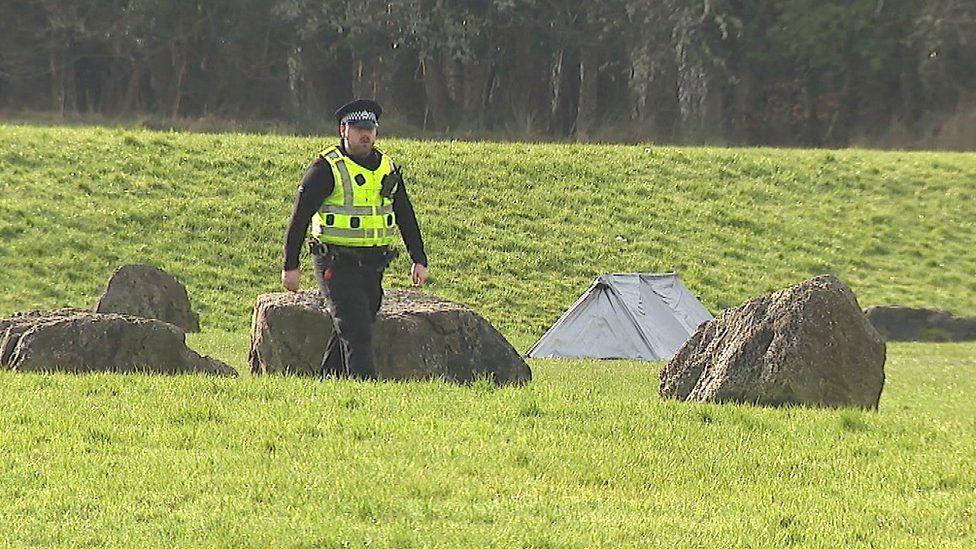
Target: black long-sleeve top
(319, 183)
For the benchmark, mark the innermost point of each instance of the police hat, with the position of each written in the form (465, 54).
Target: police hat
(363, 113)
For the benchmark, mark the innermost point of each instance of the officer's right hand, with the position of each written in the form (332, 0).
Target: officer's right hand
(419, 275)
(289, 279)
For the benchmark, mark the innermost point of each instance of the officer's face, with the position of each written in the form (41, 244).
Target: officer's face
(359, 141)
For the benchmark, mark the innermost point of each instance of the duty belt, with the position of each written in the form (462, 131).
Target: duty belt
(360, 256)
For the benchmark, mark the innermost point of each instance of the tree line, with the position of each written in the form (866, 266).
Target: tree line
(780, 72)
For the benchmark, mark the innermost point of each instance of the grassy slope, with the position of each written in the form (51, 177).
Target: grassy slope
(516, 231)
(584, 455)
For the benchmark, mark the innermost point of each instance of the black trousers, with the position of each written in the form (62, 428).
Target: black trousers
(353, 286)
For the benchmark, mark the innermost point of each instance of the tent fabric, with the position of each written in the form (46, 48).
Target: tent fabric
(625, 315)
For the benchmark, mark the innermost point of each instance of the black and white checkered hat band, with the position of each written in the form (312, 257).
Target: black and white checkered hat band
(359, 116)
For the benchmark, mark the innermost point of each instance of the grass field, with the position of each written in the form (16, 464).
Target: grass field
(516, 231)
(586, 454)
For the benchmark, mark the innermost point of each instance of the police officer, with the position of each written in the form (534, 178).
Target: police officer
(356, 200)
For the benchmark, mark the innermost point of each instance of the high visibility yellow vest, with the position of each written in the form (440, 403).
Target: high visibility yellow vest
(355, 214)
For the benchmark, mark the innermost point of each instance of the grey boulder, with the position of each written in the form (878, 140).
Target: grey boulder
(146, 291)
(807, 345)
(75, 341)
(910, 324)
(289, 332)
(416, 336)
(13, 327)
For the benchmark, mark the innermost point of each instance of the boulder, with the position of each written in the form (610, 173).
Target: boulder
(806, 345)
(12, 328)
(416, 336)
(144, 290)
(69, 340)
(289, 333)
(908, 324)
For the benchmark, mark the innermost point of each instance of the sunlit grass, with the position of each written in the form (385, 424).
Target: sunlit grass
(584, 455)
(516, 231)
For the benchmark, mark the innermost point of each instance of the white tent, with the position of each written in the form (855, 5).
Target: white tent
(632, 316)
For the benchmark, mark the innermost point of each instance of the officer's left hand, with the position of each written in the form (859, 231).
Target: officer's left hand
(419, 275)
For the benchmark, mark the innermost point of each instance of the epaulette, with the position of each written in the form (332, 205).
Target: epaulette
(332, 153)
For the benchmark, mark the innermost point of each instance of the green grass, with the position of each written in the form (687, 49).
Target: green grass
(516, 231)
(586, 454)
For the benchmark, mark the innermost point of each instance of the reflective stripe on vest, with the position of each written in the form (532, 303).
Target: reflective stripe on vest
(357, 233)
(355, 215)
(358, 210)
